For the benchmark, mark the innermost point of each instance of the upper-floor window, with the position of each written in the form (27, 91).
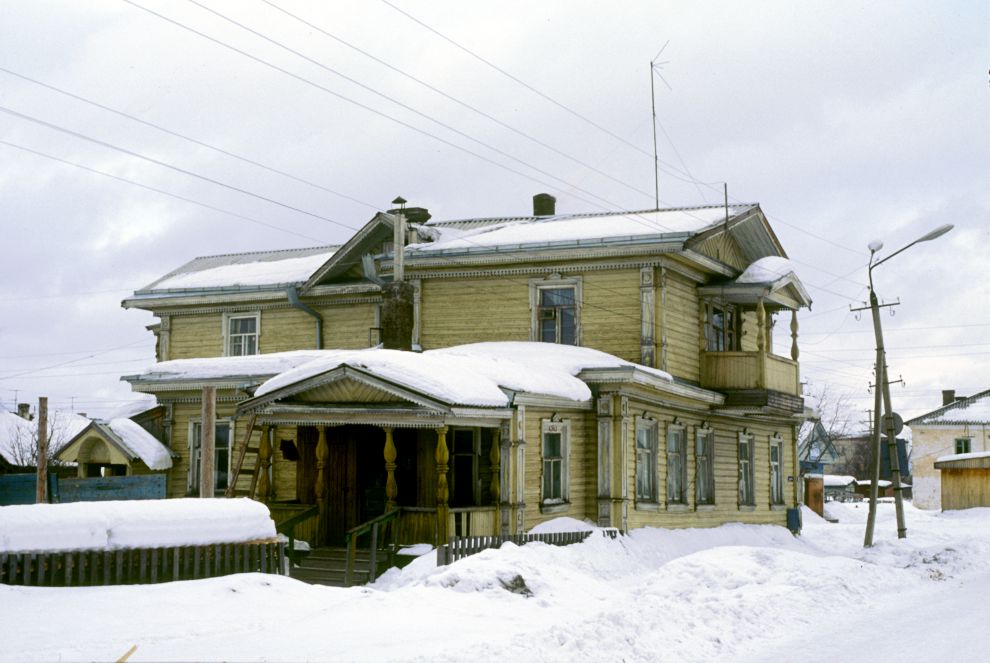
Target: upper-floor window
(721, 328)
(704, 466)
(556, 305)
(646, 461)
(747, 496)
(676, 466)
(963, 445)
(221, 456)
(776, 472)
(241, 332)
(554, 450)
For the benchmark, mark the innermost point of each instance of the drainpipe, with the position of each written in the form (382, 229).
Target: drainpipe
(295, 302)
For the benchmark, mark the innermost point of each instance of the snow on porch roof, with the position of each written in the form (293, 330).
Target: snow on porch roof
(471, 235)
(131, 439)
(476, 374)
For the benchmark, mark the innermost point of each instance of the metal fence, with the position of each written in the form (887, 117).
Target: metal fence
(460, 547)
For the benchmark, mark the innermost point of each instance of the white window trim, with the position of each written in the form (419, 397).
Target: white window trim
(705, 431)
(683, 498)
(192, 481)
(564, 428)
(654, 428)
(749, 476)
(776, 441)
(225, 330)
(554, 281)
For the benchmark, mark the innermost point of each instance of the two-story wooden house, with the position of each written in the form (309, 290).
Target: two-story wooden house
(492, 373)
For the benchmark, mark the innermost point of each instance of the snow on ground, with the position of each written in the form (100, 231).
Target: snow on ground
(738, 592)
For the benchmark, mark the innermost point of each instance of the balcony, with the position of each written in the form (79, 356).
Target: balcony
(753, 379)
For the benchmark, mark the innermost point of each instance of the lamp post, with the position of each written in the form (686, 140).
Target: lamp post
(883, 390)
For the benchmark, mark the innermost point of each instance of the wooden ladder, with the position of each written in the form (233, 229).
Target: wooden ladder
(239, 469)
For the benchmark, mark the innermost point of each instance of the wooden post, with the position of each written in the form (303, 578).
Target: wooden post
(264, 465)
(761, 343)
(322, 454)
(391, 488)
(208, 442)
(495, 456)
(41, 493)
(443, 493)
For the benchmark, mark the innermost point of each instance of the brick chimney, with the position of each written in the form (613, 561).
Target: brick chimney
(948, 397)
(544, 205)
(24, 411)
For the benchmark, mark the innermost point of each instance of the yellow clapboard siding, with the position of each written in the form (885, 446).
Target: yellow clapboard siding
(682, 328)
(582, 468)
(456, 311)
(610, 315)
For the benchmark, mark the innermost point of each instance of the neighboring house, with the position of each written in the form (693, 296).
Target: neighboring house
(958, 427)
(19, 436)
(839, 487)
(815, 448)
(120, 446)
(672, 408)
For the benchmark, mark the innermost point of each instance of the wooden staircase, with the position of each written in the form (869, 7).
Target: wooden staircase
(327, 566)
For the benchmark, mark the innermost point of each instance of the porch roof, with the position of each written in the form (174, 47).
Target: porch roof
(134, 442)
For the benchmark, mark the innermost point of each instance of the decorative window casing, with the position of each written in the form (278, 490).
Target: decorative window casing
(963, 445)
(221, 456)
(646, 461)
(241, 334)
(776, 469)
(747, 494)
(554, 443)
(556, 310)
(676, 465)
(721, 327)
(704, 466)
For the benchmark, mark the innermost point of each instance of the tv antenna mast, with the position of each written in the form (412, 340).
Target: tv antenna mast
(655, 68)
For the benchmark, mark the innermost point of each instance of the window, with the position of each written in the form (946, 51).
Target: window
(646, 461)
(963, 445)
(241, 334)
(554, 462)
(465, 489)
(221, 459)
(746, 494)
(721, 328)
(704, 466)
(676, 466)
(556, 306)
(776, 475)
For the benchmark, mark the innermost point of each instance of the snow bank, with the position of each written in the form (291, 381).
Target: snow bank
(132, 524)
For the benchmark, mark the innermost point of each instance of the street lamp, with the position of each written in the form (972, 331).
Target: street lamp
(883, 390)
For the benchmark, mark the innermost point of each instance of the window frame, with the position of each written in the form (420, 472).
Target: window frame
(966, 442)
(556, 282)
(647, 461)
(747, 487)
(776, 470)
(704, 465)
(228, 337)
(724, 337)
(195, 449)
(677, 493)
(562, 499)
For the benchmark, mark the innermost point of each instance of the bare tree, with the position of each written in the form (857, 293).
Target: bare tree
(838, 418)
(22, 439)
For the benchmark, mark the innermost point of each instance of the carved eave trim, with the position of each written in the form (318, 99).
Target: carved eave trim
(154, 385)
(631, 375)
(552, 402)
(164, 300)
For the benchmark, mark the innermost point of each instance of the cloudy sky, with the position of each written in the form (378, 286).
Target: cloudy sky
(137, 135)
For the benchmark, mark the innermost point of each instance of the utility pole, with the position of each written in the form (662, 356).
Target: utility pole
(41, 495)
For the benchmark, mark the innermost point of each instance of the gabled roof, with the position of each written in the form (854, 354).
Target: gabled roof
(815, 444)
(127, 437)
(348, 257)
(972, 410)
(237, 272)
(772, 278)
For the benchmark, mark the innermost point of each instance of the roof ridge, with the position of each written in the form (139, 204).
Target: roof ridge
(962, 402)
(266, 252)
(585, 215)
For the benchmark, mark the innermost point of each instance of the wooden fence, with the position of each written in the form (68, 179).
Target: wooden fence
(21, 488)
(460, 547)
(139, 565)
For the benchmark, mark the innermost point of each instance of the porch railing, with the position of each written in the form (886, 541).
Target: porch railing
(288, 527)
(460, 547)
(387, 525)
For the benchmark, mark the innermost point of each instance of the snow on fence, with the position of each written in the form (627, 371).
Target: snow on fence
(460, 547)
(94, 543)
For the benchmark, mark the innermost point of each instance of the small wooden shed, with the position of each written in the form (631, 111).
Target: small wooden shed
(965, 480)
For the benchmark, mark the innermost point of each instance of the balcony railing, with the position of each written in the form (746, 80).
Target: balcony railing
(722, 371)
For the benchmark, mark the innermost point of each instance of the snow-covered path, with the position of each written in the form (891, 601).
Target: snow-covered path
(740, 593)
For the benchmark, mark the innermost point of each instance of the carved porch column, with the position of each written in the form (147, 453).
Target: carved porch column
(794, 335)
(391, 488)
(443, 493)
(504, 478)
(761, 344)
(322, 454)
(264, 465)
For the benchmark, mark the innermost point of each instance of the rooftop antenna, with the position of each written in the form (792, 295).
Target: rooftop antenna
(654, 71)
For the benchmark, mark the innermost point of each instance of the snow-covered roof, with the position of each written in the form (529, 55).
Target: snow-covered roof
(767, 270)
(881, 483)
(972, 410)
(243, 270)
(141, 403)
(837, 480)
(562, 229)
(966, 456)
(114, 525)
(139, 442)
(246, 367)
(17, 435)
(477, 374)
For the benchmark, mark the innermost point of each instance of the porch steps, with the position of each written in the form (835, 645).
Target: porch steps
(327, 566)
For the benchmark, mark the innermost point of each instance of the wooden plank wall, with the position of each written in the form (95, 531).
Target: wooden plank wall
(582, 471)
(682, 326)
(456, 311)
(610, 316)
(965, 488)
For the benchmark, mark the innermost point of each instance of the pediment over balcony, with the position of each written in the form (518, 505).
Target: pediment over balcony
(771, 279)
